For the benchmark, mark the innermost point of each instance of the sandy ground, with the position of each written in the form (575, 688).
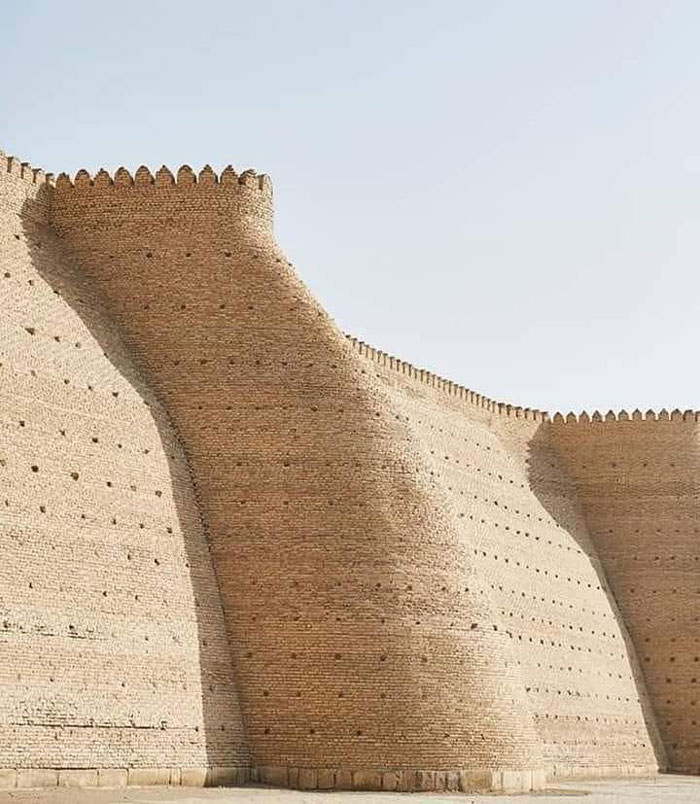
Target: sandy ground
(662, 790)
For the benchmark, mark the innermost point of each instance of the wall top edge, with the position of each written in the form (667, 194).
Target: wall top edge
(184, 177)
(596, 417)
(23, 170)
(447, 386)
(515, 411)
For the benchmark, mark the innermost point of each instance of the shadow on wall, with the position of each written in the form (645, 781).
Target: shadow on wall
(219, 692)
(556, 492)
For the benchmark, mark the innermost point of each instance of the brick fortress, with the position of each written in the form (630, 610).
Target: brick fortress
(240, 546)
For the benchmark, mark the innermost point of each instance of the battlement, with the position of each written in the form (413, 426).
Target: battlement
(446, 386)
(23, 170)
(184, 178)
(623, 416)
(246, 195)
(505, 409)
(184, 198)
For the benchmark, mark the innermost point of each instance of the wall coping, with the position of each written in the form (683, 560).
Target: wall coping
(446, 386)
(184, 178)
(23, 170)
(514, 411)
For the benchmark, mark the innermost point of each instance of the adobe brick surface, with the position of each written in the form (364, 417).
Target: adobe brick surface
(114, 651)
(406, 587)
(329, 542)
(638, 482)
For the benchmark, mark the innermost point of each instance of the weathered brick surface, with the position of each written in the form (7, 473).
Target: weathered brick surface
(638, 480)
(507, 493)
(412, 594)
(113, 648)
(330, 546)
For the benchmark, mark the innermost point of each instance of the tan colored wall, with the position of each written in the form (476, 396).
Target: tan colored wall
(416, 588)
(363, 660)
(114, 654)
(510, 498)
(409, 585)
(637, 480)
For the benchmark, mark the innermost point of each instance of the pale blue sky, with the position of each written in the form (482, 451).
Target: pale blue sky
(507, 193)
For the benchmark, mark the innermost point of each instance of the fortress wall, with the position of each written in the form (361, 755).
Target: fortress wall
(114, 654)
(637, 480)
(510, 499)
(367, 635)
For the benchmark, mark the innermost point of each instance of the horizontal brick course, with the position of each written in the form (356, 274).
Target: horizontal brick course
(396, 571)
(112, 635)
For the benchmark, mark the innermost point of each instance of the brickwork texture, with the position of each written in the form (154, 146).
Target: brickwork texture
(240, 545)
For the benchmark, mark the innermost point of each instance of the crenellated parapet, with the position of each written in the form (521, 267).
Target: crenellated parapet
(24, 190)
(184, 178)
(505, 409)
(184, 198)
(23, 170)
(446, 386)
(637, 415)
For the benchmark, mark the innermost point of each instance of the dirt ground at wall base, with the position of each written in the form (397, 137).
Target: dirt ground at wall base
(666, 789)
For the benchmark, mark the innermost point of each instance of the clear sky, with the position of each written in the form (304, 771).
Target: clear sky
(506, 192)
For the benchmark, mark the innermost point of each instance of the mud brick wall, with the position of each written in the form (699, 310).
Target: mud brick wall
(510, 499)
(357, 647)
(638, 479)
(113, 649)
(347, 572)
